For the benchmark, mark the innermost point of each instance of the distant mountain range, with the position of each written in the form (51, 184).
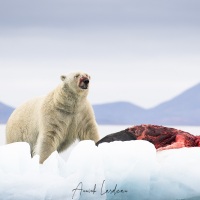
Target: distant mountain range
(5, 112)
(184, 109)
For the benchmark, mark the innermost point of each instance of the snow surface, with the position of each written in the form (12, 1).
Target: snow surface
(126, 170)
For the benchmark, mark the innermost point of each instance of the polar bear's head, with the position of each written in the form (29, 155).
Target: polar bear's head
(77, 81)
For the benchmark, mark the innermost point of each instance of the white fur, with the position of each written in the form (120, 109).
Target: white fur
(55, 121)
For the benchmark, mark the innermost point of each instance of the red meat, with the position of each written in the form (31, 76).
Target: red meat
(162, 137)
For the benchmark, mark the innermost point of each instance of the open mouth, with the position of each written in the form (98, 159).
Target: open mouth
(84, 83)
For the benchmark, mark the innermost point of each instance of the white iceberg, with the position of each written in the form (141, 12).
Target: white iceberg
(117, 170)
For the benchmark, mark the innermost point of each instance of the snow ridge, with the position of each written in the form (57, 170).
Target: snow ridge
(117, 170)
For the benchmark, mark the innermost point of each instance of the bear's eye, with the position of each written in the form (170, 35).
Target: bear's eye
(77, 75)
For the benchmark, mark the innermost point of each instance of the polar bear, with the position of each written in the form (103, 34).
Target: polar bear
(55, 121)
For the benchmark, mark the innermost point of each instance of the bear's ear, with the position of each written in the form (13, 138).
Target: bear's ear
(63, 77)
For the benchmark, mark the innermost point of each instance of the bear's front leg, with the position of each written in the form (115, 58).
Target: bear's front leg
(90, 133)
(47, 144)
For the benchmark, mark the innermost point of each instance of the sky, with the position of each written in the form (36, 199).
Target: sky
(141, 51)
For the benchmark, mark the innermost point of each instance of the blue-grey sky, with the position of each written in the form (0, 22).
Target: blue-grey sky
(140, 51)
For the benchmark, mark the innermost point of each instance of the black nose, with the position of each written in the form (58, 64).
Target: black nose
(86, 81)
